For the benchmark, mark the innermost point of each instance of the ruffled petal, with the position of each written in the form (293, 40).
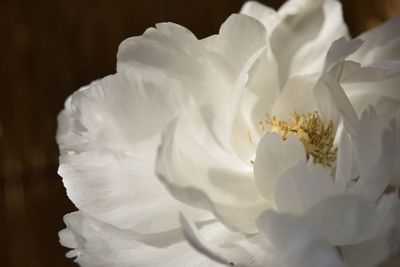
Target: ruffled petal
(266, 15)
(200, 172)
(274, 156)
(354, 72)
(175, 51)
(381, 43)
(331, 98)
(97, 244)
(303, 37)
(108, 150)
(239, 37)
(297, 241)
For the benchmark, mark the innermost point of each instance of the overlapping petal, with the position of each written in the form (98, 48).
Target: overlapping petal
(203, 99)
(108, 150)
(98, 244)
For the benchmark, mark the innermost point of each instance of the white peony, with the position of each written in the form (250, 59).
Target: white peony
(274, 143)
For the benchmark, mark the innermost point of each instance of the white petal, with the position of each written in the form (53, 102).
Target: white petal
(330, 95)
(339, 50)
(256, 99)
(344, 162)
(332, 98)
(372, 252)
(354, 72)
(301, 40)
(369, 140)
(199, 172)
(266, 15)
(274, 156)
(228, 254)
(108, 151)
(381, 43)
(175, 51)
(239, 38)
(303, 186)
(297, 95)
(383, 96)
(97, 244)
(350, 219)
(297, 241)
(377, 154)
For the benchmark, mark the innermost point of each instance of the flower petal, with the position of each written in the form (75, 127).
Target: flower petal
(369, 139)
(107, 159)
(303, 186)
(339, 50)
(266, 15)
(273, 157)
(297, 95)
(193, 167)
(376, 168)
(354, 72)
(332, 98)
(202, 135)
(297, 241)
(350, 219)
(381, 43)
(301, 40)
(95, 243)
(239, 37)
(230, 253)
(372, 252)
(344, 162)
(175, 51)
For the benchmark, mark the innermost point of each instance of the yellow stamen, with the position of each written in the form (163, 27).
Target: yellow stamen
(250, 136)
(310, 130)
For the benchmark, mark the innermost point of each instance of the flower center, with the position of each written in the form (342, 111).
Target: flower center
(316, 137)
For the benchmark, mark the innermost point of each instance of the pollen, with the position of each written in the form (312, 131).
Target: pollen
(316, 137)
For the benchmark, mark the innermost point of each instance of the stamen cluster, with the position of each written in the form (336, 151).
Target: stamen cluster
(311, 131)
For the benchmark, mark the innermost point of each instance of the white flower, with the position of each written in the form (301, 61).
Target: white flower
(316, 189)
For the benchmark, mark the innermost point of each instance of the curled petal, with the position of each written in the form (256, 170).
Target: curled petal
(310, 27)
(229, 255)
(193, 167)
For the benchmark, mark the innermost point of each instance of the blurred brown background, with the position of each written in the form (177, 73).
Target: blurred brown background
(48, 49)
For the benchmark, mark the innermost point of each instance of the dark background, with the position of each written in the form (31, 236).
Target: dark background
(48, 49)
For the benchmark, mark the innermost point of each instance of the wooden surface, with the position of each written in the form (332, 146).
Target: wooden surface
(49, 48)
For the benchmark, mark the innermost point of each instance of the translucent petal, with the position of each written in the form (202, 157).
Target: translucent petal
(97, 244)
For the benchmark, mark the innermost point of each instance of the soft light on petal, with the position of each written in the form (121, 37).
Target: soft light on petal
(273, 157)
